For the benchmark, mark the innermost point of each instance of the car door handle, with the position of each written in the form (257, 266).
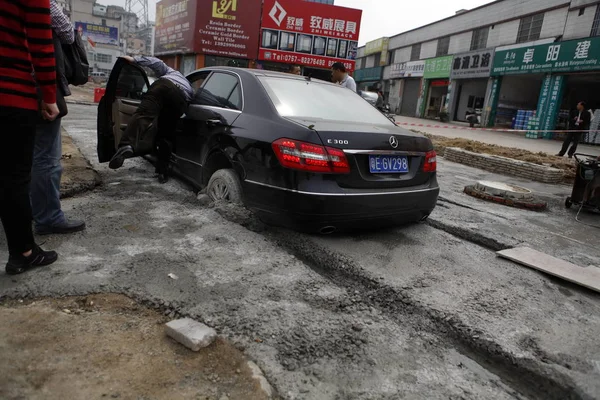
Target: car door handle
(215, 121)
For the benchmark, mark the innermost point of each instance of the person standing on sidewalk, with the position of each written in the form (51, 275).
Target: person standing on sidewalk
(340, 75)
(47, 169)
(581, 122)
(25, 47)
(162, 105)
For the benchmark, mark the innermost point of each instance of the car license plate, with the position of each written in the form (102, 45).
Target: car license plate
(388, 164)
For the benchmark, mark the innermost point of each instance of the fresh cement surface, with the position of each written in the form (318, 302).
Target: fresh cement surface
(421, 312)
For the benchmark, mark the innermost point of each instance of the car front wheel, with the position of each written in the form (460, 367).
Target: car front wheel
(224, 185)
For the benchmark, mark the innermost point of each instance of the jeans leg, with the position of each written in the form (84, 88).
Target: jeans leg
(16, 154)
(46, 174)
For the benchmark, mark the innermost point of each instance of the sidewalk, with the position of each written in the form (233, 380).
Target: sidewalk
(505, 139)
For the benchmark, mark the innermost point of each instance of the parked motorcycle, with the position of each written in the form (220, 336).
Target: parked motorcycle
(386, 110)
(473, 117)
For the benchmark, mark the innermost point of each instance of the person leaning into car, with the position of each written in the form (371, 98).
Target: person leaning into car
(162, 105)
(340, 75)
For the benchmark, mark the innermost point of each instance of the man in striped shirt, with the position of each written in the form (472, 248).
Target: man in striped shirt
(25, 47)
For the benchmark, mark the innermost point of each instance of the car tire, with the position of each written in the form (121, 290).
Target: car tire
(225, 185)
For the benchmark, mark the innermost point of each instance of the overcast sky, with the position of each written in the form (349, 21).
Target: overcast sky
(384, 17)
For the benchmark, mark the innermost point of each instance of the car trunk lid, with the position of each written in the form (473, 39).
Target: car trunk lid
(374, 153)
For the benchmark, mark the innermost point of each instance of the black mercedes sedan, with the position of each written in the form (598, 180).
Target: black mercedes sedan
(301, 153)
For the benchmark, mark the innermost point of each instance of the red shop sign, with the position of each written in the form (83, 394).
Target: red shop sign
(440, 83)
(310, 34)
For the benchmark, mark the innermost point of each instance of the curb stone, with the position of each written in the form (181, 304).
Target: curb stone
(258, 375)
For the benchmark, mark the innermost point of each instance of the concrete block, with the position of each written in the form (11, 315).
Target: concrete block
(190, 333)
(258, 375)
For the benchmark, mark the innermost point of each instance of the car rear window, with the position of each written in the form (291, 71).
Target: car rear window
(316, 100)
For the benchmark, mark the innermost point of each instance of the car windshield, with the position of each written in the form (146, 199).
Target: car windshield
(305, 99)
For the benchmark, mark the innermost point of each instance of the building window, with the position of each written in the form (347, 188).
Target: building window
(377, 61)
(392, 57)
(415, 52)
(530, 28)
(443, 46)
(479, 38)
(103, 22)
(581, 11)
(103, 58)
(596, 24)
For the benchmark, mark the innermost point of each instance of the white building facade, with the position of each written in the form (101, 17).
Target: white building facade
(509, 58)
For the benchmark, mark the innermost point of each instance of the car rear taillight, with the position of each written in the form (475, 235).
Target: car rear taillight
(310, 157)
(430, 162)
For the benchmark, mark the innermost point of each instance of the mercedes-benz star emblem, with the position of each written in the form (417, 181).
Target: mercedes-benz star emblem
(393, 142)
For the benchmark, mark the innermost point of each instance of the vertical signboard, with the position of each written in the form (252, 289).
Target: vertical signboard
(228, 28)
(174, 29)
(422, 103)
(550, 115)
(493, 101)
(315, 35)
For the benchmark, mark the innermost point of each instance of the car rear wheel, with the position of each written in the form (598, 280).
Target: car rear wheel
(224, 185)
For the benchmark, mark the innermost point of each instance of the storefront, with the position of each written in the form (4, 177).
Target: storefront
(368, 79)
(546, 81)
(470, 78)
(311, 35)
(436, 87)
(405, 87)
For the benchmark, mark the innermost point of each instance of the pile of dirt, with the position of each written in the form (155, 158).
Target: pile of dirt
(78, 175)
(108, 346)
(440, 143)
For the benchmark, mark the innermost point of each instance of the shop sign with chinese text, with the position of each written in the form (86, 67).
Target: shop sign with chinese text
(175, 24)
(368, 74)
(474, 64)
(228, 28)
(438, 67)
(309, 34)
(380, 46)
(570, 56)
(411, 69)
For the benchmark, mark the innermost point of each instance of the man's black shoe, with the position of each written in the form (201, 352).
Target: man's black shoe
(38, 258)
(65, 227)
(119, 158)
(163, 178)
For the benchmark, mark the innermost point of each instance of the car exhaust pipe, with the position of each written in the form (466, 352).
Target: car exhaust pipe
(328, 230)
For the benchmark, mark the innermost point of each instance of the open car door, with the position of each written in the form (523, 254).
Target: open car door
(124, 90)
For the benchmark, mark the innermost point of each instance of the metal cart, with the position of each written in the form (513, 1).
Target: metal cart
(588, 167)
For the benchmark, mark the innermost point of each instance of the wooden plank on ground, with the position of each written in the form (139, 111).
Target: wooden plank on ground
(586, 277)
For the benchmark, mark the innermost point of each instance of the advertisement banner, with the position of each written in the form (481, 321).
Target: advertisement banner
(175, 26)
(438, 67)
(228, 28)
(570, 56)
(318, 35)
(411, 69)
(97, 33)
(474, 64)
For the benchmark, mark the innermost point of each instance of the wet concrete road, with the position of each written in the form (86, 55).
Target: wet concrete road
(422, 312)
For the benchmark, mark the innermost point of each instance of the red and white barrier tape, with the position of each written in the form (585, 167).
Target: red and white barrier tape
(466, 128)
